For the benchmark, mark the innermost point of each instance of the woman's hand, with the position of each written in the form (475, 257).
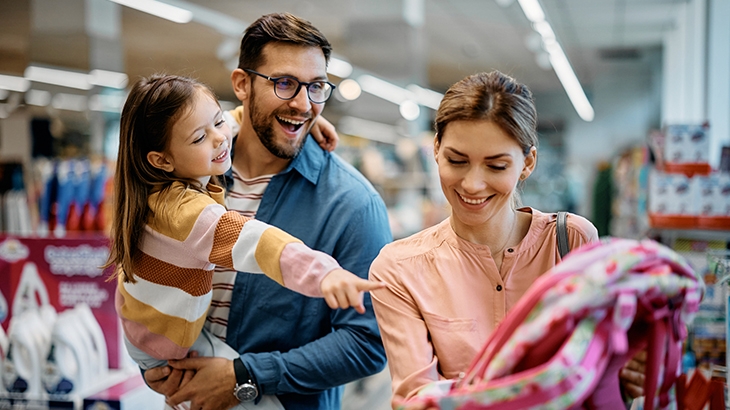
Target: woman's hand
(325, 134)
(632, 376)
(342, 289)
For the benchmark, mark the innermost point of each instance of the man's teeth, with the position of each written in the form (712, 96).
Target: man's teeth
(292, 122)
(473, 201)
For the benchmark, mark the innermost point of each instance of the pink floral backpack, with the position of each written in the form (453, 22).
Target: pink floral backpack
(563, 344)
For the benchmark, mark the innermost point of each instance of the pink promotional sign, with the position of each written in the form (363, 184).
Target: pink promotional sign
(62, 272)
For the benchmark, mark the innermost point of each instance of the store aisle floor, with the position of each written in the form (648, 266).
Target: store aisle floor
(370, 393)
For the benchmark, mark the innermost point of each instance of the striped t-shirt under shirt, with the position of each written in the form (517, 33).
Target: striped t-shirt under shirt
(244, 197)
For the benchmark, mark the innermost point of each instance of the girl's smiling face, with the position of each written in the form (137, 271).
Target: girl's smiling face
(479, 168)
(200, 142)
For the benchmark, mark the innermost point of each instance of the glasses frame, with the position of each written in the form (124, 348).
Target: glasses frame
(275, 81)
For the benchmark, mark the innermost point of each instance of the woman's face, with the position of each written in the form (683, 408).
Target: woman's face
(479, 167)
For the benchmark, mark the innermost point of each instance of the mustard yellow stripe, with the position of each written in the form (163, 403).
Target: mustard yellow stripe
(268, 252)
(180, 331)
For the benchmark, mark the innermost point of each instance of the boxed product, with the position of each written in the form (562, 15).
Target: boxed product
(710, 201)
(60, 273)
(687, 143)
(672, 194)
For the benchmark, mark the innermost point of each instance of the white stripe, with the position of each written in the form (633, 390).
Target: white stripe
(192, 253)
(168, 300)
(244, 251)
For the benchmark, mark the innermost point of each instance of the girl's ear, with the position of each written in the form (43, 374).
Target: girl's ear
(160, 161)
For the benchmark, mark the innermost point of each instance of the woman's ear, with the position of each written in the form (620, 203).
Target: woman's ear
(241, 84)
(436, 146)
(530, 162)
(160, 161)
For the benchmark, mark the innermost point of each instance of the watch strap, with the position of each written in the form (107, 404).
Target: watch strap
(242, 374)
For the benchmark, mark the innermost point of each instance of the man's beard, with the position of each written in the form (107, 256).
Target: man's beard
(263, 127)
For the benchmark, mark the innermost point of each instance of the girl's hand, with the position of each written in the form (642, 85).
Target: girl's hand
(343, 289)
(325, 134)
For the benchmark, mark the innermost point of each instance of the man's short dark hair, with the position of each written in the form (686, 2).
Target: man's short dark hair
(279, 27)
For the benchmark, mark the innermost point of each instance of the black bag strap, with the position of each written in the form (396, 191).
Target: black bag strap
(562, 234)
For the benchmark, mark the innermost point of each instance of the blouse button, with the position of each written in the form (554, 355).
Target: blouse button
(499, 288)
(510, 250)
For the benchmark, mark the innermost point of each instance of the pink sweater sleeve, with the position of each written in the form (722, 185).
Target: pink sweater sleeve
(303, 269)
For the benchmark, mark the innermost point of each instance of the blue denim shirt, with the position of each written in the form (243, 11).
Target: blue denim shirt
(296, 347)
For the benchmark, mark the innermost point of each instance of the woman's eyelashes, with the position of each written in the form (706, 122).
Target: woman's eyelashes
(455, 161)
(495, 167)
(199, 139)
(220, 123)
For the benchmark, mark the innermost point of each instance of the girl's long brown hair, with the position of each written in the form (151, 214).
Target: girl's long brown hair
(151, 109)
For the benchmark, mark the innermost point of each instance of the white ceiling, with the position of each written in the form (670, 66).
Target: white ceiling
(457, 38)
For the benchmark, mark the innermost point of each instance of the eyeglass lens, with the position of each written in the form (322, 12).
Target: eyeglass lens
(287, 88)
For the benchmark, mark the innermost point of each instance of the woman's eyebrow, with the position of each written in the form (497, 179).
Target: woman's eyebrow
(491, 157)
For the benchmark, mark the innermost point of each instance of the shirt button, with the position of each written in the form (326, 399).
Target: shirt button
(499, 288)
(510, 250)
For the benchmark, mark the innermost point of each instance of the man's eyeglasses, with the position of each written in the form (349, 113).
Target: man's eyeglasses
(287, 88)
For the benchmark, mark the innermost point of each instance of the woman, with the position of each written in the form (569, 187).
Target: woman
(451, 284)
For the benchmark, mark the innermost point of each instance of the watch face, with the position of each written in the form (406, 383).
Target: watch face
(246, 392)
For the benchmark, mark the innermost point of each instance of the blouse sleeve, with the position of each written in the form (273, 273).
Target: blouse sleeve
(411, 356)
(580, 231)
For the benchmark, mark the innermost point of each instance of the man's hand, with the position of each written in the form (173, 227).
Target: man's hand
(632, 375)
(325, 134)
(211, 386)
(166, 380)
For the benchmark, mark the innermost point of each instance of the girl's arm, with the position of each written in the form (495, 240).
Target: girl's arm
(249, 245)
(325, 134)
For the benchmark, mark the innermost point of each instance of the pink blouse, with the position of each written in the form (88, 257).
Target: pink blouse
(446, 295)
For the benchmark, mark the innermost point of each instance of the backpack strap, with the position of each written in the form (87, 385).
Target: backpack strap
(562, 234)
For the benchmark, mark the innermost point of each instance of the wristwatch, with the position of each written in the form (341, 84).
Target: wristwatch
(245, 389)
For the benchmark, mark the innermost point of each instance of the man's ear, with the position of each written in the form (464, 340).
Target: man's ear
(160, 161)
(241, 84)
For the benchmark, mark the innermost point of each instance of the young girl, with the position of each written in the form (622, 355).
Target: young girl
(171, 227)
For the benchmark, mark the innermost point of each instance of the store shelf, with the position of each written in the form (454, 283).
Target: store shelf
(671, 234)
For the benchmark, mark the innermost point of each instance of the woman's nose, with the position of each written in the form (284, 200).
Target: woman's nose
(474, 180)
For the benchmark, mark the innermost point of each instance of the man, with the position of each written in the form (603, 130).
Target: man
(291, 346)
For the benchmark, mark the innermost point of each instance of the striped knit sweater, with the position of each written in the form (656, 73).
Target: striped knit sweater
(187, 235)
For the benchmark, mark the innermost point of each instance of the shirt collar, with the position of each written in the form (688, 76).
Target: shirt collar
(309, 162)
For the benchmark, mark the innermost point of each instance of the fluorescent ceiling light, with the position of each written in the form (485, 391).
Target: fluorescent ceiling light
(424, 96)
(58, 77)
(159, 9)
(570, 82)
(409, 110)
(397, 95)
(38, 97)
(383, 89)
(13, 83)
(106, 103)
(545, 30)
(532, 10)
(349, 89)
(71, 102)
(109, 79)
(339, 68)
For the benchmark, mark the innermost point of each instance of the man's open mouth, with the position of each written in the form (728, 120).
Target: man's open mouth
(289, 124)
